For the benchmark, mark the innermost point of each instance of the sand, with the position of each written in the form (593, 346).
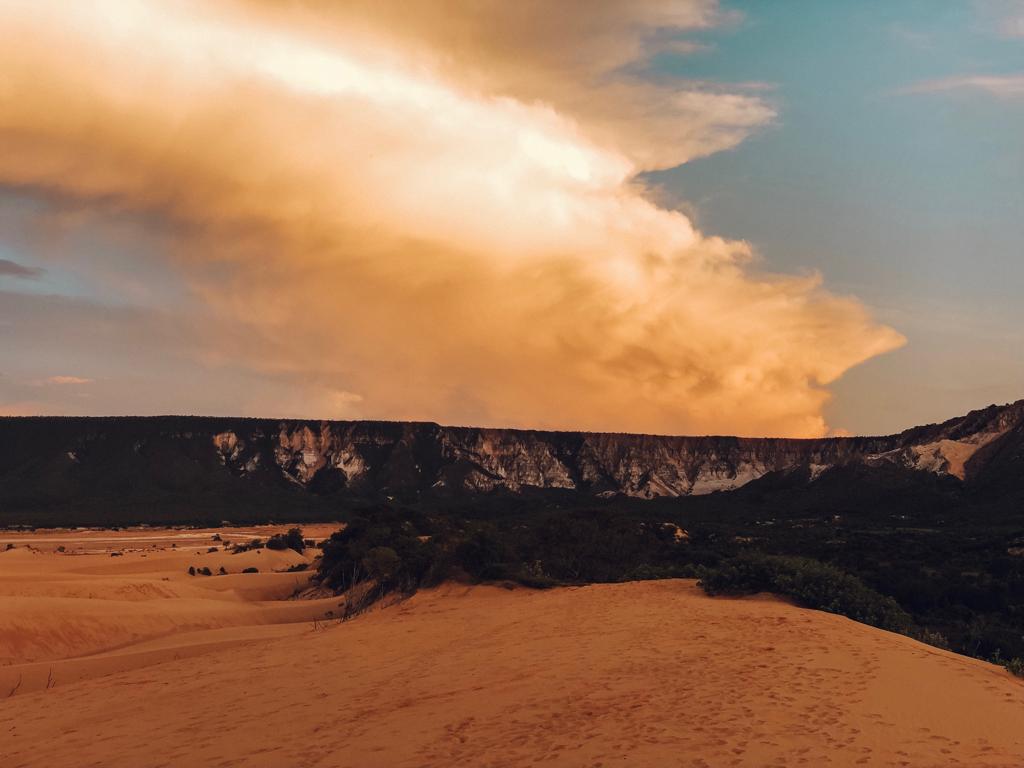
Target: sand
(639, 674)
(56, 607)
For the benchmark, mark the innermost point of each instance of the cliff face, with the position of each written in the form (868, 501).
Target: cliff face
(365, 457)
(178, 467)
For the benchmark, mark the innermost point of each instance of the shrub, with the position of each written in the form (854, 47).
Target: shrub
(533, 581)
(250, 570)
(191, 570)
(484, 556)
(386, 546)
(205, 571)
(1015, 666)
(294, 539)
(381, 563)
(291, 540)
(936, 639)
(811, 583)
(223, 571)
(211, 549)
(583, 546)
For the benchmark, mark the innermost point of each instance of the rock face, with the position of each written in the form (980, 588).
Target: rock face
(52, 461)
(373, 456)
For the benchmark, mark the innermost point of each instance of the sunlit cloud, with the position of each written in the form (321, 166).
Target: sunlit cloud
(66, 380)
(1000, 86)
(400, 213)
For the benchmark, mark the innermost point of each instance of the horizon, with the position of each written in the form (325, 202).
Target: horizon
(484, 427)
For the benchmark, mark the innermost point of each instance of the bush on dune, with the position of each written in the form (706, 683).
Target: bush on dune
(239, 548)
(291, 540)
(1015, 666)
(380, 547)
(811, 583)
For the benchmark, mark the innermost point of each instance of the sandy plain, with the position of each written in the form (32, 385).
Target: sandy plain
(129, 661)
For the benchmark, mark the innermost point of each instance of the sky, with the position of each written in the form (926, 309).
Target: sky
(785, 218)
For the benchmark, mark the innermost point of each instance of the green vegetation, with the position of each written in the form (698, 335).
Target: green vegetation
(291, 540)
(254, 544)
(811, 584)
(383, 548)
(944, 579)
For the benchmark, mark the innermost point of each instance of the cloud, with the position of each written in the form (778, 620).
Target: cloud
(585, 58)
(394, 212)
(65, 380)
(10, 268)
(1002, 17)
(1006, 16)
(1000, 86)
(1013, 26)
(154, 361)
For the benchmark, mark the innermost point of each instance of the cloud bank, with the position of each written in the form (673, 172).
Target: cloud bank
(412, 211)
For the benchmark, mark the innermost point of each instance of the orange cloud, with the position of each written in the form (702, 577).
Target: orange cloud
(66, 380)
(575, 55)
(419, 215)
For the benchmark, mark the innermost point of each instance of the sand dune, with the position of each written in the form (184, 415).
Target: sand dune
(60, 606)
(641, 674)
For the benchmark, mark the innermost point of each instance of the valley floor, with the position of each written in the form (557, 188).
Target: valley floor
(147, 666)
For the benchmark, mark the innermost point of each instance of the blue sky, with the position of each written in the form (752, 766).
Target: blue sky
(911, 199)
